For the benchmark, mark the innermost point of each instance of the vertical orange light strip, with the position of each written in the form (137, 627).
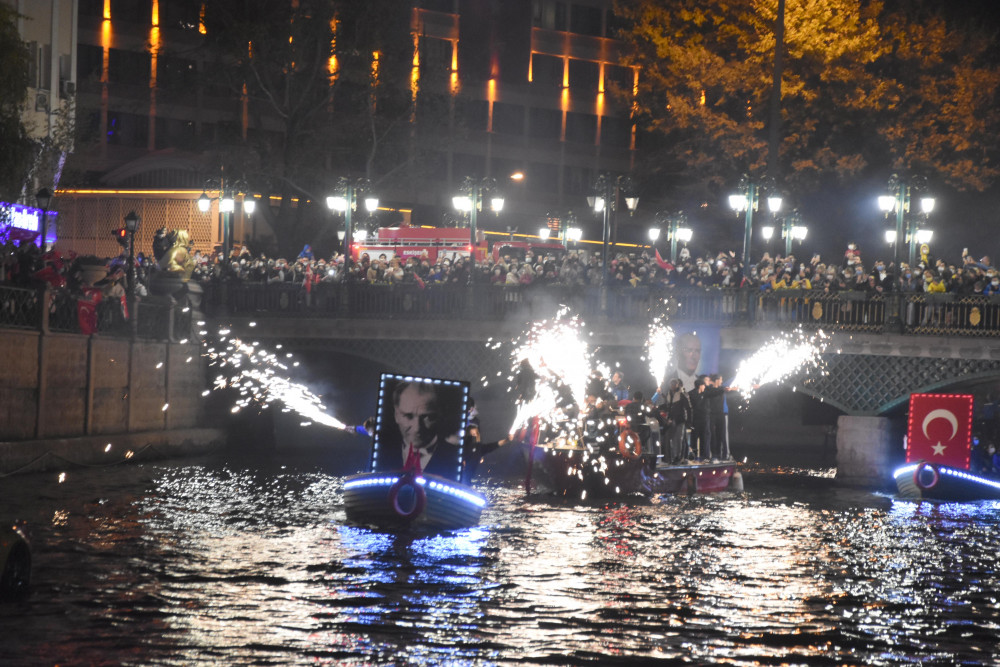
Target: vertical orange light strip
(635, 108)
(491, 97)
(454, 67)
(564, 99)
(599, 107)
(201, 20)
(333, 66)
(415, 73)
(154, 52)
(105, 58)
(373, 90)
(531, 65)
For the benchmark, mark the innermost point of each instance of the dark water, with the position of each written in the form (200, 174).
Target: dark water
(225, 561)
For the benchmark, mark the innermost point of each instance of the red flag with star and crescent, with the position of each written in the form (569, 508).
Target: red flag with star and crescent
(939, 429)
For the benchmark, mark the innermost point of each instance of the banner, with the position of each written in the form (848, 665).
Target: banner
(939, 429)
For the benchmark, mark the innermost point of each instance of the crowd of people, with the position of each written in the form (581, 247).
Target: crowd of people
(25, 265)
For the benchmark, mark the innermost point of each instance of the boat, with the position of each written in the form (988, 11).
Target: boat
(567, 466)
(939, 452)
(926, 480)
(695, 477)
(404, 499)
(429, 491)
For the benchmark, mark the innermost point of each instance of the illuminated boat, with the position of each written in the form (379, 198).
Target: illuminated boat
(695, 477)
(428, 490)
(396, 500)
(925, 480)
(939, 452)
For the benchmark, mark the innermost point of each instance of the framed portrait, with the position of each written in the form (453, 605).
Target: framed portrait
(424, 418)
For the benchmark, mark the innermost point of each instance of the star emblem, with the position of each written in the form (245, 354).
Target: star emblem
(938, 449)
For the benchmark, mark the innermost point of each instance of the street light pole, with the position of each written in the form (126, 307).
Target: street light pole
(345, 203)
(44, 199)
(475, 193)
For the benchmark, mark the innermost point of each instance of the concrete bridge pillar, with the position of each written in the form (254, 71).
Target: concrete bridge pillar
(868, 448)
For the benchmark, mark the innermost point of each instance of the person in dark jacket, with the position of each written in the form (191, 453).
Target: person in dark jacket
(701, 428)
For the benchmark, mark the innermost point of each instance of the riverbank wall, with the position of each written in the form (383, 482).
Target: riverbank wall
(79, 398)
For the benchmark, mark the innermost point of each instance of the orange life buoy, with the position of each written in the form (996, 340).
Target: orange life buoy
(629, 444)
(917, 474)
(419, 497)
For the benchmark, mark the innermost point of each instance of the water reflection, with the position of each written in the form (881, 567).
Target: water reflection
(204, 562)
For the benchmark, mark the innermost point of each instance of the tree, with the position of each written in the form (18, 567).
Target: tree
(863, 90)
(16, 148)
(311, 79)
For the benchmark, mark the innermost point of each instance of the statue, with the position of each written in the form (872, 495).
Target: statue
(172, 250)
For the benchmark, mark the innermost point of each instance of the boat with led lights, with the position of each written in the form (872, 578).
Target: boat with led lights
(939, 452)
(425, 424)
(926, 480)
(396, 500)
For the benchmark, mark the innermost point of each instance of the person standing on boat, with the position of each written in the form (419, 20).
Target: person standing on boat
(701, 426)
(677, 408)
(718, 413)
(618, 387)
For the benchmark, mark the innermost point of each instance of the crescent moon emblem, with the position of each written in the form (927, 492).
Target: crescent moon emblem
(941, 413)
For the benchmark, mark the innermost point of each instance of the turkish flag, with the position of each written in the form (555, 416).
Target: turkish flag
(940, 429)
(664, 264)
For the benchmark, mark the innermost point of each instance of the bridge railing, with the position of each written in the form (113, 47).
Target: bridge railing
(57, 310)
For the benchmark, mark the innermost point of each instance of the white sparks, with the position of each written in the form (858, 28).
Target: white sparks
(256, 376)
(659, 348)
(782, 357)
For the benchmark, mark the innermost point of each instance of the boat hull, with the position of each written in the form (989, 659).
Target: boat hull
(923, 480)
(578, 472)
(692, 478)
(369, 499)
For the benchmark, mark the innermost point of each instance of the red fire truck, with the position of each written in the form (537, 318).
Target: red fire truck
(437, 243)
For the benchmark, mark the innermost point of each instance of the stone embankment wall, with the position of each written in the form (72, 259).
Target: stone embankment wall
(59, 388)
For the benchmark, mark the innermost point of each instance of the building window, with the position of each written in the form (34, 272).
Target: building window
(546, 71)
(584, 75)
(435, 59)
(550, 14)
(508, 118)
(543, 177)
(128, 67)
(586, 21)
(616, 132)
(545, 124)
(472, 114)
(581, 127)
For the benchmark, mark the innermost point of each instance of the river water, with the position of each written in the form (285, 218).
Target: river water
(238, 560)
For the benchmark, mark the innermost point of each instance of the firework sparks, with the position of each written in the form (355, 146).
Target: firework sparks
(552, 363)
(257, 375)
(659, 348)
(782, 357)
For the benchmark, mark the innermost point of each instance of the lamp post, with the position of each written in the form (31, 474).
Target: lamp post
(604, 200)
(346, 202)
(898, 200)
(227, 206)
(746, 201)
(44, 199)
(474, 192)
(131, 225)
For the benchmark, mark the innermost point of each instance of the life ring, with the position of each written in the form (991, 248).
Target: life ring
(419, 498)
(15, 563)
(629, 444)
(917, 473)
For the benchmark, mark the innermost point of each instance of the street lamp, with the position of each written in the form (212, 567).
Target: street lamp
(346, 202)
(677, 230)
(228, 193)
(544, 233)
(747, 201)
(604, 199)
(471, 201)
(131, 225)
(44, 199)
(898, 200)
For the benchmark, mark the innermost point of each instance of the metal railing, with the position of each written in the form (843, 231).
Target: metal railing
(911, 313)
(57, 310)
